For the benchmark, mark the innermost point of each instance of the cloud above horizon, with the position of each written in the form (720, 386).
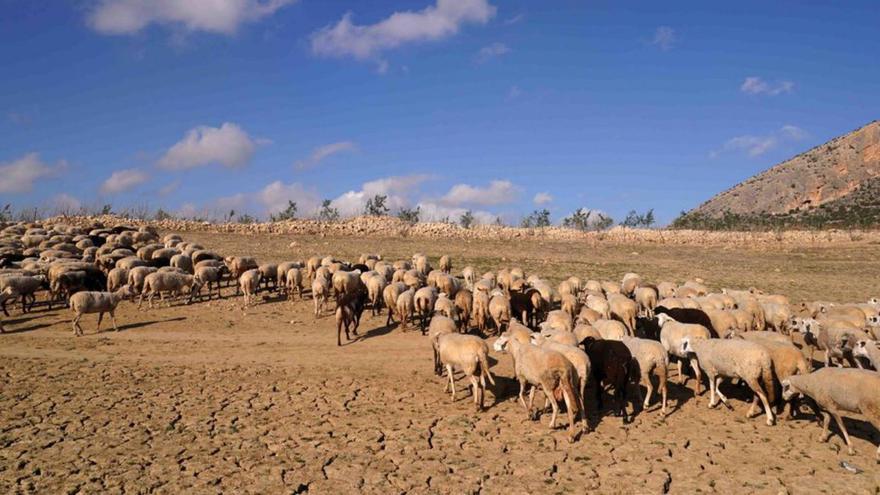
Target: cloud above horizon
(228, 145)
(757, 145)
(665, 38)
(496, 193)
(320, 153)
(123, 180)
(19, 176)
(369, 41)
(127, 17)
(754, 85)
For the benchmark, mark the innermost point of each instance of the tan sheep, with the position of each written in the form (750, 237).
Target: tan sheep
(469, 354)
(499, 310)
(652, 360)
(625, 310)
(406, 307)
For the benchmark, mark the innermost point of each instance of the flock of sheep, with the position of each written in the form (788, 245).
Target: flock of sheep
(562, 339)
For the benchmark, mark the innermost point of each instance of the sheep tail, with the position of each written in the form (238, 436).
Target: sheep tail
(484, 365)
(769, 386)
(566, 386)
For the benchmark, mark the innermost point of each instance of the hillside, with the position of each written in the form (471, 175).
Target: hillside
(834, 184)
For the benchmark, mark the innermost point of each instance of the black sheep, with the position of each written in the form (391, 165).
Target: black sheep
(611, 364)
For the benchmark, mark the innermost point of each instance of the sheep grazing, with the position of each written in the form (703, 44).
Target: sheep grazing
(167, 282)
(464, 303)
(651, 359)
(320, 294)
(672, 333)
(612, 366)
(499, 311)
(237, 265)
(869, 350)
(116, 278)
(577, 358)
(84, 302)
(25, 287)
(543, 368)
(249, 283)
(445, 264)
(837, 390)
(348, 316)
(440, 325)
(293, 282)
(389, 295)
(209, 276)
(722, 358)
(406, 307)
(469, 354)
(646, 298)
(423, 301)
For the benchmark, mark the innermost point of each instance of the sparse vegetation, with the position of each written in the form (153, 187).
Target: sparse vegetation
(327, 212)
(376, 206)
(467, 219)
(584, 219)
(635, 220)
(288, 213)
(536, 219)
(410, 215)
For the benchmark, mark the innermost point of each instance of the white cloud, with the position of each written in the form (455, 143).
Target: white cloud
(793, 132)
(430, 211)
(365, 42)
(123, 180)
(18, 176)
(758, 145)
(121, 17)
(65, 203)
(322, 152)
(757, 86)
(274, 197)
(233, 202)
(498, 192)
(397, 188)
(542, 198)
(665, 38)
(169, 188)
(492, 51)
(229, 145)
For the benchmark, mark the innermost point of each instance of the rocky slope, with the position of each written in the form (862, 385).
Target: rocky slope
(834, 182)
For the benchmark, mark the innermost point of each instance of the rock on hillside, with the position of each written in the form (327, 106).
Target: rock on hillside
(831, 174)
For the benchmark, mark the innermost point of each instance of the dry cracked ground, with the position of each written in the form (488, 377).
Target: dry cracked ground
(211, 398)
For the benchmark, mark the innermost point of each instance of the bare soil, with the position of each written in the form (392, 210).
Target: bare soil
(213, 398)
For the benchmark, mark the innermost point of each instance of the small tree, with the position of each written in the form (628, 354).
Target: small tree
(410, 215)
(162, 215)
(467, 219)
(579, 220)
(538, 218)
(648, 219)
(107, 209)
(6, 213)
(246, 218)
(499, 222)
(604, 222)
(632, 219)
(328, 213)
(376, 206)
(288, 213)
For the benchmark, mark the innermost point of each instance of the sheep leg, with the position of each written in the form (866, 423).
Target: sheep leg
(451, 380)
(77, 329)
(478, 392)
(712, 387)
(522, 400)
(553, 404)
(113, 320)
(569, 405)
(696, 366)
(646, 398)
(826, 422)
(842, 427)
(663, 387)
(100, 317)
(681, 377)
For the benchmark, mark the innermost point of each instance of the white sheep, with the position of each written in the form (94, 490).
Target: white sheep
(577, 357)
(543, 368)
(468, 353)
(249, 283)
(320, 293)
(652, 359)
(870, 350)
(293, 282)
(172, 283)
(747, 361)
(87, 302)
(837, 390)
(672, 333)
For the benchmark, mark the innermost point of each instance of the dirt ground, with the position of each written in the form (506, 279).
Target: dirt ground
(212, 398)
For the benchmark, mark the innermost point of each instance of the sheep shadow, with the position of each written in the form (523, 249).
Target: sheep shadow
(141, 324)
(857, 428)
(504, 389)
(376, 332)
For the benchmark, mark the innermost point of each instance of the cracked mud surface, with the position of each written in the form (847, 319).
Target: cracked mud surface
(212, 399)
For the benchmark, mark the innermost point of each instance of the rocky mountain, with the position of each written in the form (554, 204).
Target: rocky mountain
(836, 183)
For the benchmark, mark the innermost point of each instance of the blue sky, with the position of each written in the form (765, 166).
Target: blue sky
(496, 106)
